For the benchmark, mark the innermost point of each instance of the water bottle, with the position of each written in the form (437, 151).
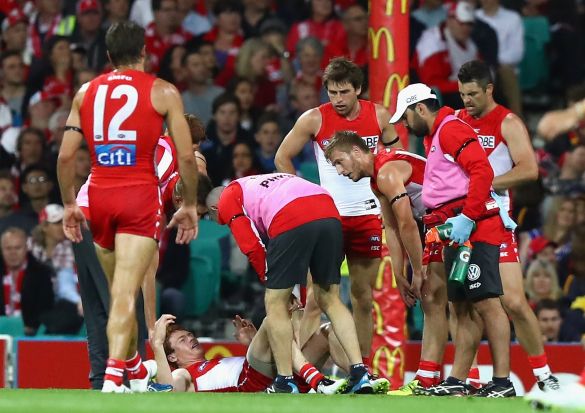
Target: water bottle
(441, 233)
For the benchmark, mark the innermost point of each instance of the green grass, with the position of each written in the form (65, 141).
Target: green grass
(65, 401)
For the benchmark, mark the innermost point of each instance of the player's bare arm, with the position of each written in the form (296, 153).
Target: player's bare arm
(180, 378)
(166, 100)
(390, 182)
(389, 135)
(73, 218)
(302, 132)
(525, 168)
(555, 122)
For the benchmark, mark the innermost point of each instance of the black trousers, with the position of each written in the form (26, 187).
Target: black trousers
(95, 297)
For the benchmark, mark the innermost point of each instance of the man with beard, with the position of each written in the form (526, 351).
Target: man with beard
(456, 191)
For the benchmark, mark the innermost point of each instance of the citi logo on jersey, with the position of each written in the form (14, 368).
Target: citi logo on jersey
(116, 155)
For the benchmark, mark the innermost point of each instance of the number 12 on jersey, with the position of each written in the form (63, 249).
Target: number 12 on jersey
(114, 133)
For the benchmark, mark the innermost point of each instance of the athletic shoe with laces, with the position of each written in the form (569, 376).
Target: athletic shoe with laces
(570, 397)
(360, 385)
(328, 386)
(380, 385)
(111, 387)
(443, 389)
(494, 391)
(407, 390)
(551, 383)
(141, 385)
(288, 387)
(153, 386)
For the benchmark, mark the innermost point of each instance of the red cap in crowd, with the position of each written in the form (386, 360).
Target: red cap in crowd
(83, 6)
(13, 18)
(540, 243)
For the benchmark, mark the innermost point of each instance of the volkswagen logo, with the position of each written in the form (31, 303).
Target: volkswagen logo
(473, 272)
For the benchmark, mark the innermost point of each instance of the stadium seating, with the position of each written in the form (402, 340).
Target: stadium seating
(13, 326)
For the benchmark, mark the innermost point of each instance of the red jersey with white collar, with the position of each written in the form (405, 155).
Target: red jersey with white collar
(413, 185)
(121, 128)
(351, 198)
(228, 374)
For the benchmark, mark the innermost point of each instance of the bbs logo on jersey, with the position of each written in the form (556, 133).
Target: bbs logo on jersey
(473, 272)
(116, 155)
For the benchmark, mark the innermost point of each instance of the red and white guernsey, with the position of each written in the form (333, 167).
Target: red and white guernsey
(489, 132)
(414, 184)
(228, 374)
(351, 198)
(121, 128)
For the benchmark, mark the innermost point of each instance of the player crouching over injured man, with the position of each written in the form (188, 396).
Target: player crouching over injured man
(181, 361)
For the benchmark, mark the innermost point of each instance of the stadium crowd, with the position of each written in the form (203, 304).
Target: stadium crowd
(248, 69)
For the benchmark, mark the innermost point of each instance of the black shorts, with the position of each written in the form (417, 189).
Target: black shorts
(483, 277)
(316, 245)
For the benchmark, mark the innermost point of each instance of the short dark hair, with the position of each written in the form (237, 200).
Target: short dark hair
(31, 131)
(188, 53)
(35, 168)
(124, 42)
(10, 53)
(6, 176)
(343, 141)
(204, 187)
(475, 71)
(224, 99)
(156, 4)
(547, 304)
(343, 70)
(196, 128)
(221, 6)
(267, 117)
(432, 104)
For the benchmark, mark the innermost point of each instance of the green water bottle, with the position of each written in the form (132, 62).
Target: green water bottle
(461, 263)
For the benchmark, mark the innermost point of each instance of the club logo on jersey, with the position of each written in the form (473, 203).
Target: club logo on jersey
(325, 142)
(116, 155)
(487, 141)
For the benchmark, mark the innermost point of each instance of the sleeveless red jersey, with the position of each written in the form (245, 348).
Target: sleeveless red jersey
(489, 132)
(414, 184)
(121, 128)
(351, 198)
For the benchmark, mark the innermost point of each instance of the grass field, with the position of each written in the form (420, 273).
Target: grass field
(65, 401)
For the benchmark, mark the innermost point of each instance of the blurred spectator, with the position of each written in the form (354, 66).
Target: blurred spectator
(355, 22)
(52, 76)
(431, 13)
(192, 22)
(116, 11)
(56, 129)
(571, 179)
(443, 49)
(252, 64)
(82, 166)
(49, 244)
(31, 148)
(14, 34)
(244, 162)
(548, 314)
(36, 185)
(543, 250)
(223, 133)
(244, 89)
(164, 32)
(268, 136)
(43, 25)
(171, 67)
(81, 77)
(510, 31)
(27, 285)
(580, 210)
(273, 32)
(85, 31)
(200, 93)
(541, 282)
(302, 98)
(574, 288)
(8, 197)
(40, 109)
(226, 37)
(323, 25)
(256, 12)
(207, 52)
(310, 54)
(13, 84)
(559, 222)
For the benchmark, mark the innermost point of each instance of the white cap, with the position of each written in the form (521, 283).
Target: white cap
(411, 94)
(52, 213)
(463, 11)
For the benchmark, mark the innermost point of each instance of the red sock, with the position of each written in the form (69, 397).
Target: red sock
(473, 377)
(539, 366)
(582, 379)
(135, 368)
(311, 375)
(428, 373)
(366, 361)
(115, 371)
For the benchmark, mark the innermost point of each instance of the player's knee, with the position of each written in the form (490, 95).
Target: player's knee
(361, 294)
(516, 306)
